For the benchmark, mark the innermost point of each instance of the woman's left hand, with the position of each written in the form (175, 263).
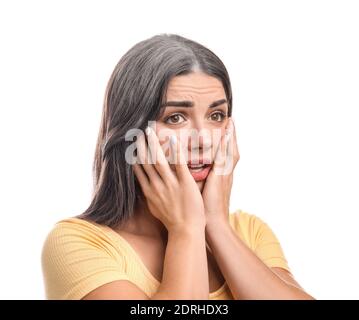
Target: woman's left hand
(217, 189)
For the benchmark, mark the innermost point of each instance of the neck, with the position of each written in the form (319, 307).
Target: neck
(143, 223)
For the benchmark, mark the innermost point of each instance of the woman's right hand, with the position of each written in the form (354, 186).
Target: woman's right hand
(173, 197)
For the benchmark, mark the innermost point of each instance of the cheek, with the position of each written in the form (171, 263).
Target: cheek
(163, 134)
(216, 140)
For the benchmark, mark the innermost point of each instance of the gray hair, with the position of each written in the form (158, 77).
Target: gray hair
(134, 95)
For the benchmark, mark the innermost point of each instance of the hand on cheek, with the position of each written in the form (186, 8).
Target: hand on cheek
(217, 188)
(172, 196)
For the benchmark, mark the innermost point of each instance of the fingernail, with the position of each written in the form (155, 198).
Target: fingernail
(229, 128)
(173, 140)
(227, 135)
(230, 123)
(148, 131)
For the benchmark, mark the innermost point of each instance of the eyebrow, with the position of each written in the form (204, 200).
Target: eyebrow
(189, 104)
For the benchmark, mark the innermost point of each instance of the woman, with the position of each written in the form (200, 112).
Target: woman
(158, 226)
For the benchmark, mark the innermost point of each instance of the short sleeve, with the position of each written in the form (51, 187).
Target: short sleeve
(77, 260)
(266, 245)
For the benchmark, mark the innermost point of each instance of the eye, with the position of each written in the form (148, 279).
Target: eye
(218, 116)
(174, 119)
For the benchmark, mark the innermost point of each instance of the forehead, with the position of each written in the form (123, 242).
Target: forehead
(195, 85)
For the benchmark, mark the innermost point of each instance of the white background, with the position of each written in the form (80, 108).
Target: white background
(295, 76)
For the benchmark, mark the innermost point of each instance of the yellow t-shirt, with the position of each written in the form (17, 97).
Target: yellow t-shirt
(79, 256)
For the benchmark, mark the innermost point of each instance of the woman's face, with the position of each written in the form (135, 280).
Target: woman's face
(196, 111)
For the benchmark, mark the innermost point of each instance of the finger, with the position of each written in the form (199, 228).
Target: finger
(232, 143)
(222, 161)
(229, 159)
(157, 156)
(221, 152)
(144, 159)
(141, 176)
(178, 158)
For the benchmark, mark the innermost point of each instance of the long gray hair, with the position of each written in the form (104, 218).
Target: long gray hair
(134, 95)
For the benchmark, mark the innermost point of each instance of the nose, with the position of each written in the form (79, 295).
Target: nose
(199, 139)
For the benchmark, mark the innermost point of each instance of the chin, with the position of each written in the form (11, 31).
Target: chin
(200, 185)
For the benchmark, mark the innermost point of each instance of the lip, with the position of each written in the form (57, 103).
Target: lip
(199, 161)
(198, 175)
(202, 174)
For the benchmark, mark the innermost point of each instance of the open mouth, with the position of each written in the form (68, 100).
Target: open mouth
(197, 167)
(199, 171)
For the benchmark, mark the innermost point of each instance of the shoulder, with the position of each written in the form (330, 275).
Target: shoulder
(78, 256)
(75, 232)
(260, 237)
(253, 229)
(248, 225)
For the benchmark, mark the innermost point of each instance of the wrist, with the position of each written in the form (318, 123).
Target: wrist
(187, 230)
(216, 227)
(216, 232)
(217, 221)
